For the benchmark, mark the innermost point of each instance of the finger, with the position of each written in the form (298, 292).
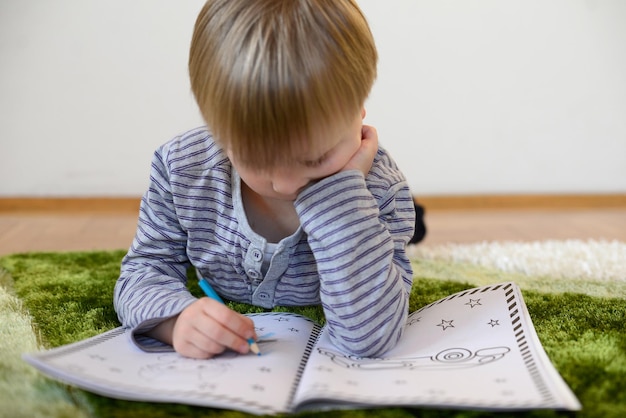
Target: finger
(204, 337)
(369, 133)
(190, 340)
(195, 349)
(239, 324)
(229, 328)
(204, 325)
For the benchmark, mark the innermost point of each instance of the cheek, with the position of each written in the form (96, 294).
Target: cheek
(257, 180)
(354, 144)
(252, 179)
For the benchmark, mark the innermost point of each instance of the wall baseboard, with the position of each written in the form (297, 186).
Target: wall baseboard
(70, 205)
(526, 201)
(121, 205)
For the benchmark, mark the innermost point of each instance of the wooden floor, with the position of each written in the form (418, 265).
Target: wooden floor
(24, 232)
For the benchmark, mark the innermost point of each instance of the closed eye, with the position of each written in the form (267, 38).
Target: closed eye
(315, 163)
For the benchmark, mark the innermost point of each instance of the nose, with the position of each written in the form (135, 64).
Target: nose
(288, 184)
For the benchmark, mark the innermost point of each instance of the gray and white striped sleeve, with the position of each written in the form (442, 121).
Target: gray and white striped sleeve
(358, 236)
(152, 282)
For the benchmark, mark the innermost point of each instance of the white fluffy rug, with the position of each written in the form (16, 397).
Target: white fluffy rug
(595, 268)
(573, 259)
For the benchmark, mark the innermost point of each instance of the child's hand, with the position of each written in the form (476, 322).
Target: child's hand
(206, 328)
(364, 157)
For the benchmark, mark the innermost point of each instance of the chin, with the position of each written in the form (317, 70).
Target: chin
(285, 198)
(288, 198)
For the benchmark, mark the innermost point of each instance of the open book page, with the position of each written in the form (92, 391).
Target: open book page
(474, 349)
(110, 365)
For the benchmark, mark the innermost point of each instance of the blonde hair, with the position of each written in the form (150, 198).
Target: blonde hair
(268, 73)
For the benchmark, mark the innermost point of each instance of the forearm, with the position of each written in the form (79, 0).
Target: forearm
(140, 308)
(365, 277)
(164, 331)
(144, 293)
(152, 282)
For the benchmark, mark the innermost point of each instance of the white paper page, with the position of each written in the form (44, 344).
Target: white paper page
(474, 349)
(111, 365)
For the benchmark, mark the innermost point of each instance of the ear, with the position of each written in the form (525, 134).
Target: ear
(363, 113)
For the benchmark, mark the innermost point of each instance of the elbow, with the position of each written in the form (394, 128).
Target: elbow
(373, 339)
(120, 301)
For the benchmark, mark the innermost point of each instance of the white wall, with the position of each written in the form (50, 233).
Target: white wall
(477, 96)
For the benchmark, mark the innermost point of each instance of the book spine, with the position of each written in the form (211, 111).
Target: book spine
(315, 335)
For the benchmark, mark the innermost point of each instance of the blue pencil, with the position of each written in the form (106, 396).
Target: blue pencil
(211, 293)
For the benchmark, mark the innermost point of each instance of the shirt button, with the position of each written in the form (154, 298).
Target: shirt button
(257, 255)
(253, 274)
(264, 295)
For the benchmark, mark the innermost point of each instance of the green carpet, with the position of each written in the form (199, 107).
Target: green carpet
(50, 299)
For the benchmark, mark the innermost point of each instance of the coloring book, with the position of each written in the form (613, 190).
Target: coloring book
(473, 349)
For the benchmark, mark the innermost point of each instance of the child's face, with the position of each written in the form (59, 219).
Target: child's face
(285, 182)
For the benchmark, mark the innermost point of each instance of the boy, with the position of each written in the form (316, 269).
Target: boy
(287, 200)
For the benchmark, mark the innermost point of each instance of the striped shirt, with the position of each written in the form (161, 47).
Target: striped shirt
(348, 253)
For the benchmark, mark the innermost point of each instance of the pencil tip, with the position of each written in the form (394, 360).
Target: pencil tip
(254, 347)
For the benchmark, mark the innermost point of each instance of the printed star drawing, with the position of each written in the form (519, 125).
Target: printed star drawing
(446, 324)
(473, 302)
(412, 321)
